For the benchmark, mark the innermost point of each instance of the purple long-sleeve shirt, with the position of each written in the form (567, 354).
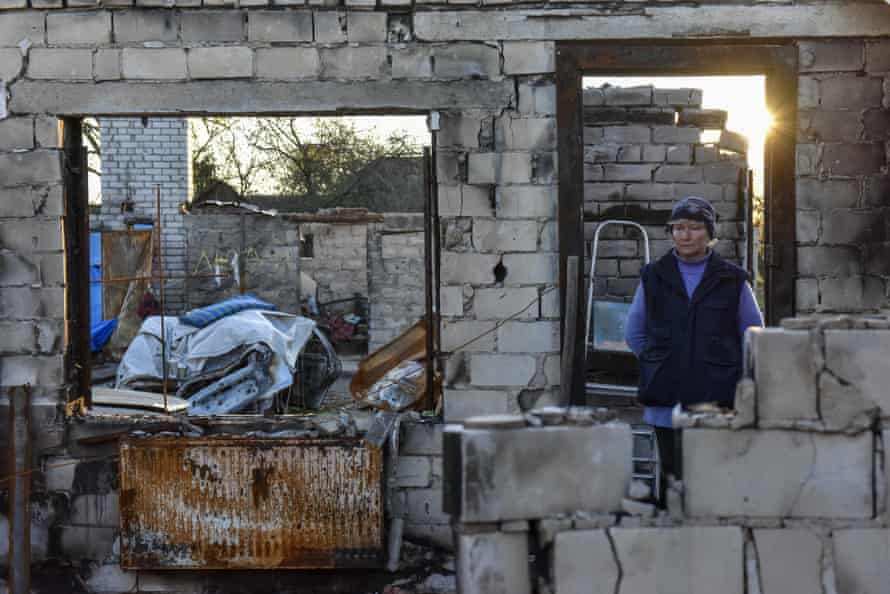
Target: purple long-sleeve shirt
(635, 330)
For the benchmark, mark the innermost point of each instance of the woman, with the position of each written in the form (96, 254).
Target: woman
(687, 323)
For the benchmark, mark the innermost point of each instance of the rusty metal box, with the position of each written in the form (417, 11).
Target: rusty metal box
(250, 503)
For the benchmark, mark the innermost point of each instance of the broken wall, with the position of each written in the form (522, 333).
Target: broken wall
(787, 494)
(138, 156)
(255, 253)
(491, 74)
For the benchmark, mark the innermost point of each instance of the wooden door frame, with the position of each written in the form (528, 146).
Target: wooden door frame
(776, 60)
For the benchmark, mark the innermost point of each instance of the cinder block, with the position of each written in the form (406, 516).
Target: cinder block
(528, 337)
(790, 561)
(460, 267)
(628, 95)
(858, 358)
(456, 333)
(628, 173)
(526, 133)
(689, 174)
(413, 471)
(840, 261)
(31, 235)
(18, 25)
(424, 506)
(489, 369)
(463, 404)
(734, 473)
(850, 92)
(877, 56)
(277, 25)
(494, 304)
(526, 202)
(288, 63)
(212, 26)
(675, 135)
(18, 337)
(833, 55)
(537, 98)
(851, 294)
(16, 134)
(137, 26)
(517, 474)
(107, 64)
(524, 57)
(60, 64)
(167, 63)
(583, 561)
(860, 560)
(785, 373)
(461, 60)
(366, 27)
(827, 194)
(491, 235)
(330, 26)
(677, 97)
(220, 62)
(354, 62)
(78, 28)
(38, 371)
(111, 578)
(499, 168)
(852, 227)
(92, 543)
(411, 62)
(58, 473)
(493, 563)
(421, 439)
(692, 560)
(10, 63)
(32, 168)
(529, 269)
(96, 510)
(831, 125)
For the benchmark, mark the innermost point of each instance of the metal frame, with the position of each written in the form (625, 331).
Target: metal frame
(776, 59)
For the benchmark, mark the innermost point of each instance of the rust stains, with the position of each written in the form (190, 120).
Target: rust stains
(249, 503)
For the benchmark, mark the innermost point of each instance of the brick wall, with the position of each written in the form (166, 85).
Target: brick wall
(137, 156)
(643, 150)
(788, 494)
(490, 72)
(340, 259)
(258, 250)
(395, 276)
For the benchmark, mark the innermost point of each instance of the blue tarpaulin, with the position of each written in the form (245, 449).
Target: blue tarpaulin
(100, 333)
(203, 316)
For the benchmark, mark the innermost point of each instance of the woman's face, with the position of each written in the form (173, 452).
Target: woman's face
(690, 238)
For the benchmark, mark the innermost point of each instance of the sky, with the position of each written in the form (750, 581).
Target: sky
(744, 97)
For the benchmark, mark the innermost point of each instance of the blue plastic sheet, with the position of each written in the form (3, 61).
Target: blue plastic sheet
(206, 315)
(100, 333)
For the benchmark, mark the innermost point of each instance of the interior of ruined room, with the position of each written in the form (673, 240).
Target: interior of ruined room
(335, 298)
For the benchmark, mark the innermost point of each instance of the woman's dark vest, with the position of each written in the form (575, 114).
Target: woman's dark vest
(693, 350)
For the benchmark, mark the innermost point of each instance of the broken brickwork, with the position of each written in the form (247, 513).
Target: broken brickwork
(490, 71)
(787, 494)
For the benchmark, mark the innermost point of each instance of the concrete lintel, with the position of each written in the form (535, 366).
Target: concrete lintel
(853, 19)
(248, 97)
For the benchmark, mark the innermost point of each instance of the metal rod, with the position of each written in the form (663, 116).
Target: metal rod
(128, 279)
(19, 490)
(428, 278)
(437, 251)
(159, 227)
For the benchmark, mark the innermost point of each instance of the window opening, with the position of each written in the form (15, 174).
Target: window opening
(313, 225)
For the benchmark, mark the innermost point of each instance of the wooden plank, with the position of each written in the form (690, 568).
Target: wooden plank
(571, 202)
(19, 490)
(569, 341)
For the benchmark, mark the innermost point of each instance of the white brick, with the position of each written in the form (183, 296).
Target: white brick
(692, 560)
(734, 473)
(79, 28)
(154, 64)
(528, 337)
(61, 64)
(368, 62)
(464, 201)
(458, 332)
(452, 301)
(583, 562)
(525, 269)
(10, 63)
(490, 168)
(275, 25)
(529, 57)
(785, 374)
(790, 561)
(527, 133)
(526, 202)
(501, 370)
(491, 235)
(493, 563)
(413, 471)
(468, 268)
(463, 404)
(860, 560)
(502, 303)
(859, 357)
(220, 62)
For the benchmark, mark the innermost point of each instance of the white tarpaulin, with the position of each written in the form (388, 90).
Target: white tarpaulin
(192, 351)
